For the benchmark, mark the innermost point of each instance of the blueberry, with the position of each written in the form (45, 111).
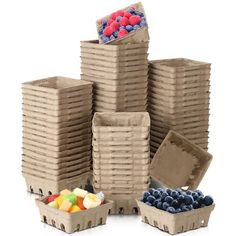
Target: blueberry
(200, 200)
(208, 200)
(175, 194)
(104, 23)
(188, 199)
(105, 39)
(112, 37)
(118, 18)
(115, 34)
(157, 194)
(169, 199)
(174, 203)
(136, 27)
(196, 205)
(131, 10)
(161, 190)
(199, 192)
(143, 199)
(129, 28)
(169, 191)
(180, 199)
(122, 27)
(155, 202)
(190, 207)
(177, 210)
(203, 205)
(184, 208)
(163, 196)
(100, 31)
(159, 205)
(165, 205)
(151, 190)
(142, 23)
(171, 210)
(179, 190)
(189, 192)
(151, 199)
(195, 195)
(146, 194)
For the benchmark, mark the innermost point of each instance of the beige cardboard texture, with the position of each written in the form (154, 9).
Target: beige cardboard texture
(45, 186)
(175, 223)
(116, 69)
(72, 222)
(140, 35)
(56, 85)
(114, 65)
(186, 162)
(116, 60)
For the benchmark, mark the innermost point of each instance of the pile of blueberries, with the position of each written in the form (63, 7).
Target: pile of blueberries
(175, 201)
(121, 23)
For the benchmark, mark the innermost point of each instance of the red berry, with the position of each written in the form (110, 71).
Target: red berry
(120, 13)
(122, 33)
(109, 22)
(52, 197)
(124, 21)
(127, 14)
(115, 25)
(108, 31)
(114, 15)
(134, 20)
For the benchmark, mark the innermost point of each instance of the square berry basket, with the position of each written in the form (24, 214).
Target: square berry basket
(72, 222)
(178, 163)
(133, 33)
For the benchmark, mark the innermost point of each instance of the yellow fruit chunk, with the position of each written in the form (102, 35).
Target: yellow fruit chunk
(65, 192)
(59, 200)
(80, 192)
(75, 208)
(53, 204)
(65, 206)
(91, 201)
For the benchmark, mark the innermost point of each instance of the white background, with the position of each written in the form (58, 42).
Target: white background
(42, 38)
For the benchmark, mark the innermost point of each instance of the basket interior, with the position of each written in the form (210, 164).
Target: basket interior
(122, 119)
(57, 82)
(179, 163)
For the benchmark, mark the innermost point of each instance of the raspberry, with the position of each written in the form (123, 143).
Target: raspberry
(122, 33)
(120, 13)
(108, 31)
(109, 22)
(113, 15)
(134, 20)
(115, 25)
(127, 14)
(124, 21)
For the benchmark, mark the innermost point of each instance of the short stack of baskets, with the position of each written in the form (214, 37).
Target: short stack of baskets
(121, 157)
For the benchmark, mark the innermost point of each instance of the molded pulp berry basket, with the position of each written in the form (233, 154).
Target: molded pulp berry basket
(139, 35)
(175, 223)
(72, 222)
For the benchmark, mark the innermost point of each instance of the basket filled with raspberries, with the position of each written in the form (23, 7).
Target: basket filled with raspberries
(128, 25)
(175, 211)
(75, 210)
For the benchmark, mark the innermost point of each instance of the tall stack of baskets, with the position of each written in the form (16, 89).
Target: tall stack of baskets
(119, 73)
(121, 157)
(57, 115)
(179, 100)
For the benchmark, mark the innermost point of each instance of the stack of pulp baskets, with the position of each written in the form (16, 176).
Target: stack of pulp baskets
(119, 73)
(121, 157)
(57, 117)
(178, 99)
